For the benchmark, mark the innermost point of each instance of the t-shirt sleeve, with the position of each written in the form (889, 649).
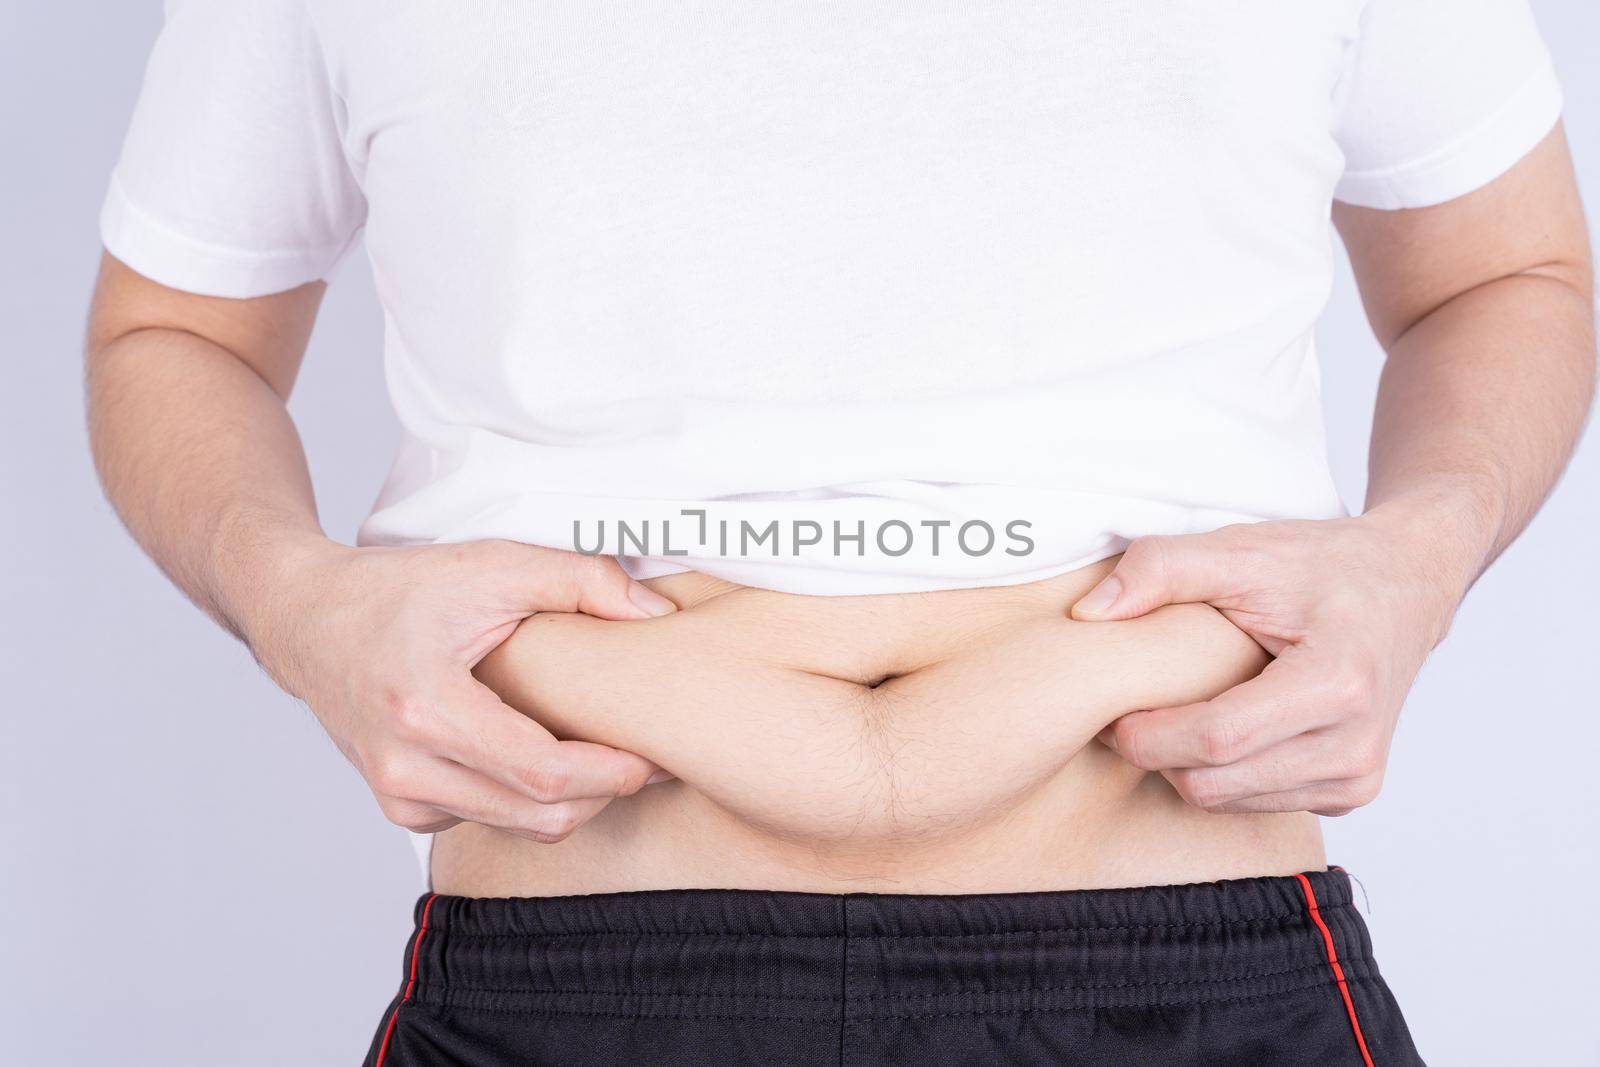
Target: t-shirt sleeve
(233, 180)
(1440, 97)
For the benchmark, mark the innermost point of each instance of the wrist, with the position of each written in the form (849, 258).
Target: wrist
(267, 578)
(1444, 536)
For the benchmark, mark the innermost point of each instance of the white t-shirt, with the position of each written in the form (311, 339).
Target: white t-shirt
(827, 297)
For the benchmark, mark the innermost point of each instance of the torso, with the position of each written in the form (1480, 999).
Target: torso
(846, 262)
(929, 743)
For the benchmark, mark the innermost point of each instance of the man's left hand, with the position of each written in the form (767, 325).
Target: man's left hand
(1350, 608)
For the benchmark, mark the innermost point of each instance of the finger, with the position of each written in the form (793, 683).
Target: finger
(1331, 799)
(548, 579)
(1311, 761)
(1180, 569)
(1292, 696)
(557, 821)
(483, 733)
(463, 795)
(412, 815)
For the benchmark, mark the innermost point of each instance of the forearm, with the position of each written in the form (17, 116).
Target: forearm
(1479, 407)
(194, 444)
(199, 457)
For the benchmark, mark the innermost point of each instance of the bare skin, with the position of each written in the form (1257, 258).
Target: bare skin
(1485, 307)
(830, 744)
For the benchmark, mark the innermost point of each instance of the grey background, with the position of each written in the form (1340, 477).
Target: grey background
(191, 874)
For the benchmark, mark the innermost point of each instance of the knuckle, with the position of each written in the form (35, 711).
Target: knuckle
(592, 573)
(392, 698)
(570, 579)
(594, 568)
(1202, 790)
(1350, 688)
(404, 813)
(1366, 758)
(1132, 744)
(554, 824)
(1142, 547)
(547, 780)
(1223, 741)
(411, 717)
(1350, 795)
(1148, 554)
(393, 810)
(386, 777)
(1365, 791)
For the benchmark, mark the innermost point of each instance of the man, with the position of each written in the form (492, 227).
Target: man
(849, 280)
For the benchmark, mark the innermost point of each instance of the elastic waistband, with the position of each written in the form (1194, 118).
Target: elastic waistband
(751, 954)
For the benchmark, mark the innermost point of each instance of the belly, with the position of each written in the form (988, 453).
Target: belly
(938, 742)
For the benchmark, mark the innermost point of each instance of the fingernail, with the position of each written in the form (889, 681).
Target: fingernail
(649, 601)
(659, 776)
(1098, 600)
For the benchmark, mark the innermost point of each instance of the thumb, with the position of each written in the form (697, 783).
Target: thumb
(1181, 569)
(550, 579)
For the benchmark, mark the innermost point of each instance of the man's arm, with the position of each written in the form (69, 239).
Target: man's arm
(191, 436)
(194, 444)
(1485, 306)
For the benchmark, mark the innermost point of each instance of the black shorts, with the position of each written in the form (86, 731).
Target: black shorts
(1255, 972)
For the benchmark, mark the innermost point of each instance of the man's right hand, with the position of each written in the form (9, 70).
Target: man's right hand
(381, 642)
(194, 444)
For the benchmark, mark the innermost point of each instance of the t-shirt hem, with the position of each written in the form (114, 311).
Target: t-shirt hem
(165, 254)
(422, 845)
(1468, 162)
(823, 581)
